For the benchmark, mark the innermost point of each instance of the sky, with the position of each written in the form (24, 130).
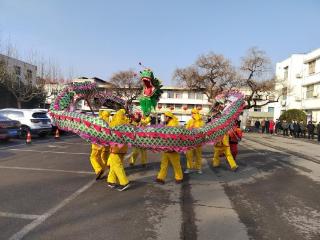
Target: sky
(97, 38)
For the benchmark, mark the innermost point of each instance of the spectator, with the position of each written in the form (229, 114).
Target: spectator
(257, 125)
(271, 126)
(263, 126)
(267, 126)
(318, 131)
(277, 126)
(303, 129)
(285, 127)
(291, 128)
(296, 129)
(310, 128)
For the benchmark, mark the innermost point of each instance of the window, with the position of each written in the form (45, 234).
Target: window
(284, 93)
(309, 92)
(312, 67)
(29, 74)
(270, 109)
(17, 70)
(286, 73)
(170, 94)
(257, 109)
(191, 95)
(199, 96)
(178, 94)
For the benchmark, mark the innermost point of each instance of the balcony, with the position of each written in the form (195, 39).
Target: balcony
(311, 79)
(310, 103)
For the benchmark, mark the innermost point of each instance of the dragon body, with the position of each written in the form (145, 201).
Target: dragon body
(156, 138)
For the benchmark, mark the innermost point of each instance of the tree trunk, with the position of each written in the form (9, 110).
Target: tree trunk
(19, 104)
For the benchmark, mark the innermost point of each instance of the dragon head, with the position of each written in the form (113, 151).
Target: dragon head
(151, 91)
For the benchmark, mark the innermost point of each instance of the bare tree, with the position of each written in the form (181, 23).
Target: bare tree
(127, 85)
(211, 74)
(256, 75)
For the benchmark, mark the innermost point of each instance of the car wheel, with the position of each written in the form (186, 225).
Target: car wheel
(24, 131)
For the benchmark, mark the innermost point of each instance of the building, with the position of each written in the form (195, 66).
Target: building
(24, 72)
(181, 101)
(299, 80)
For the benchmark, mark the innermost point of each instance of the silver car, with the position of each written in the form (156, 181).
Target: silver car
(33, 120)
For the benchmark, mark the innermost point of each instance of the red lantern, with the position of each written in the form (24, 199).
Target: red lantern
(159, 106)
(185, 107)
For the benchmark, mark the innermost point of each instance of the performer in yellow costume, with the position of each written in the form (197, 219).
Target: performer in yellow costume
(194, 122)
(171, 156)
(117, 174)
(99, 154)
(223, 147)
(139, 120)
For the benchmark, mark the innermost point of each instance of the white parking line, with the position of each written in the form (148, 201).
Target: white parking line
(15, 215)
(47, 170)
(31, 150)
(29, 227)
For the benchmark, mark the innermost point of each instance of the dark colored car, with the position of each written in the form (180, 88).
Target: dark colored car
(9, 128)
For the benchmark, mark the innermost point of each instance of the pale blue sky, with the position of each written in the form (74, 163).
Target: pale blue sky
(98, 38)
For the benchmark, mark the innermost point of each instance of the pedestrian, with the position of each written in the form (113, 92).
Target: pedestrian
(235, 136)
(285, 127)
(271, 126)
(117, 177)
(310, 128)
(318, 131)
(99, 154)
(291, 128)
(170, 156)
(303, 129)
(140, 121)
(277, 126)
(195, 122)
(263, 126)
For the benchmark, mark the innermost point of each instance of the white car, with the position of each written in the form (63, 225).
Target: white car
(33, 120)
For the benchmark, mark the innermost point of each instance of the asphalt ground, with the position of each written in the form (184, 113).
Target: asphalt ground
(48, 191)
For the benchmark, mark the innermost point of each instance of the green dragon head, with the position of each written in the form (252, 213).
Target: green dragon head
(151, 91)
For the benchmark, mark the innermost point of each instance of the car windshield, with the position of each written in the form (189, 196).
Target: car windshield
(39, 115)
(3, 118)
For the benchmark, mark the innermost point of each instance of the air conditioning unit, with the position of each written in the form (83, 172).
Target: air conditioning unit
(298, 75)
(283, 102)
(315, 94)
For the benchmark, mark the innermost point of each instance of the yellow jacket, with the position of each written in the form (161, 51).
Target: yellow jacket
(224, 142)
(195, 122)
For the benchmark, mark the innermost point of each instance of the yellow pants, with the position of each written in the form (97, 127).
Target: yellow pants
(97, 160)
(197, 163)
(117, 173)
(135, 153)
(226, 151)
(105, 152)
(174, 159)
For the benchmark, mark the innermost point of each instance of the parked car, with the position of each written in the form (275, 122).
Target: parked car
(33, 120)
(9, 128)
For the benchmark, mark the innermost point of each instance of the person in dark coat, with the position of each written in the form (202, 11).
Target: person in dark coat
(303, 129)
(318, 131)
(310, 128)
(296, 129)
(267, 126)
(257, 125)
(285, 127)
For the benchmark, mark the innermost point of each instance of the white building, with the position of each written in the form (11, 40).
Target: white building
(299, 78)
(181, 101)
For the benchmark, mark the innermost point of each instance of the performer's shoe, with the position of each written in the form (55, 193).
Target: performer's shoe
(160, 181)
(187, 171)
(99, 175)
(112, 185)
(179, 181)
(122, 188)
(234, 169)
